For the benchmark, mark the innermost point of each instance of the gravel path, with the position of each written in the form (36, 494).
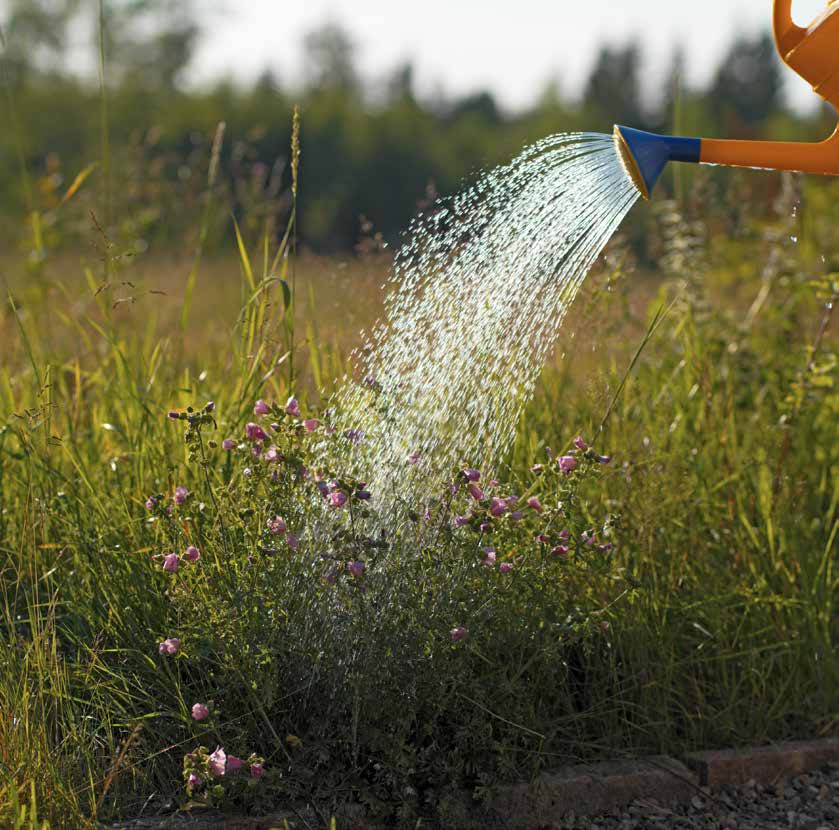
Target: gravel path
(810, 802)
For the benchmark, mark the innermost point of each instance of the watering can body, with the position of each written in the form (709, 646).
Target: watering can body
(812, 52)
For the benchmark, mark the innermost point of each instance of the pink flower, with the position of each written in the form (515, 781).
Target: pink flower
(560, 550)
(486, 527)
(228, 444)
(414, 457)
(169, 646)
(170, 563)
(192, 553)
(234, 764)
(564, 535)
(337, 498)
(277, 525)
(476, 492)
(261, 408)
(193, 781)
(516, 516)
(541, 537)
(310, 424)
(534, 504)
(292, 541)
(254, 432)
(257, 770)
(537, 469)
(580, 444)
(462, 521)
(472, 474)
(180, 495)
(497, 507)
(489, 557)
(200, 711)
(272, 454)
(292, 407)
(458, 633)
(151, 503)
(505, 567)
(603, 459)
(217, 762)
(356, 569)
(567, 463)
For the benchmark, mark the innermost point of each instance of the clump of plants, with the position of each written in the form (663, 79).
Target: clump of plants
(390, 663)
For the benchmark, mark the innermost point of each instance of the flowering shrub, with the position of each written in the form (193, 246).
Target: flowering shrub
(297, 609)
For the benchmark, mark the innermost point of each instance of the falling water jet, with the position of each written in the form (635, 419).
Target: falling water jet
(476, 298)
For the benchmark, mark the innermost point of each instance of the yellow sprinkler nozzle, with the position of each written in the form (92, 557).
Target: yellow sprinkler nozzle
(814, 54)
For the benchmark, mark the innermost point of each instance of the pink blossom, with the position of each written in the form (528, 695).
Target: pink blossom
(580, 443)
(603, 459)
(228, 444)
(356, 569)
(534, 504)
(200, 711)
(560, 550)
(169, 646)
(292, 407)
(505, 567)
(462, 521)
(234, 763)
(363, 495)
(193, 781)
(337, 498)
(151, 503)
(277, 525)
(261, 408)
(472, 474)
(272, 454)
(567, 463)
(192, 553)
(564, 535)
(292, 541)
(497, 507)
(489, 557)
(217, 762)
(254, 432)
(486, 527)
(414, 457)
(542, 538)
(476, 492)
(171, 562)
(537, 469)
(516, 516)
(257, 770)
(180, 495)
(458, 633)
(310, 424)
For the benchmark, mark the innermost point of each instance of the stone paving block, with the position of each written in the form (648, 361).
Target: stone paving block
(765, 765)
(592, 789)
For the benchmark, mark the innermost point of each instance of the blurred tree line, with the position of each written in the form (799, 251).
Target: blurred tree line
(369, 158)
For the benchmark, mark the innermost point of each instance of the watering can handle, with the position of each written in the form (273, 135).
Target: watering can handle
(787, 34)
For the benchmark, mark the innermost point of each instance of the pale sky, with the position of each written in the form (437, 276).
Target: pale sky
(511, 47)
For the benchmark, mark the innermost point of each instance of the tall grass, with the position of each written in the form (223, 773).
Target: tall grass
(711, 382)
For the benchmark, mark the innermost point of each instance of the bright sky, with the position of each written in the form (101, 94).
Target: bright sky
(511, 47)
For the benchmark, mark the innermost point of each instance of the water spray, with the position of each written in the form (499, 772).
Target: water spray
(812, 52)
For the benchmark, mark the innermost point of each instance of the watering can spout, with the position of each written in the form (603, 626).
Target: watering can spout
(813, 52)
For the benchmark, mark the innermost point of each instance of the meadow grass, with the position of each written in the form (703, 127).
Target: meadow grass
(705, 619)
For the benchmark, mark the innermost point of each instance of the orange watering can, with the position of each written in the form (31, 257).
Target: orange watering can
(814, 54)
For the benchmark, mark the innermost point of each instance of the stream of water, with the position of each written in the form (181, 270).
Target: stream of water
(476, 297)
